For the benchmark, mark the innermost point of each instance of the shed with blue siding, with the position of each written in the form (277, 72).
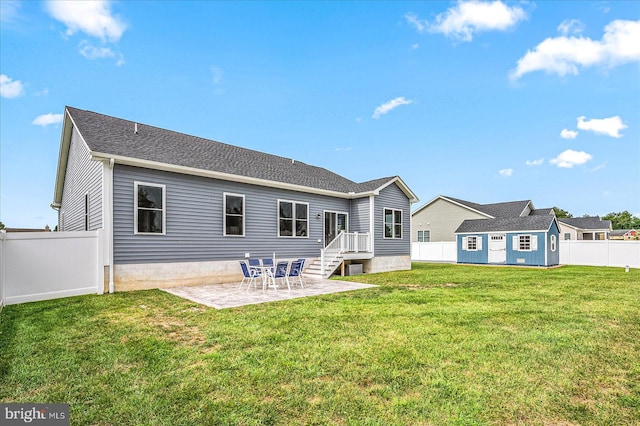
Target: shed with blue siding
(527, 240)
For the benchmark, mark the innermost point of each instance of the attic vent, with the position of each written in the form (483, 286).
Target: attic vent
(135, 128)
(293, 161)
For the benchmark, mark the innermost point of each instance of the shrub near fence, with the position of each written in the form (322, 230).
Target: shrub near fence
(572, 252)
(47, 265)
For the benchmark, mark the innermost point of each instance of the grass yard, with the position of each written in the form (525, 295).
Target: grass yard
(438, 345)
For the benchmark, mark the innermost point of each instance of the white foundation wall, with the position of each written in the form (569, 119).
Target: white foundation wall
(386, 264)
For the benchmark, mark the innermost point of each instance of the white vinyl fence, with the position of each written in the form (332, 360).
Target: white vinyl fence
(572, 252)
(600, 253)
(48, 265)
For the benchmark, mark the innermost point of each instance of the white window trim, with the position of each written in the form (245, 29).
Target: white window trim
(393, 227)
(293, 213)
(224, 214)
(465, 243)
(533, 242)
(136, 184)
(554, 243)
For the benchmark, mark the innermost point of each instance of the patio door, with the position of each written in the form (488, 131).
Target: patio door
(334, 222)
(497, 248)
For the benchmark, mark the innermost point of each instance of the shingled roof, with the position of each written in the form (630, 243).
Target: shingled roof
(511, 224)
(111, 137)
(591, 222)
(494, 210)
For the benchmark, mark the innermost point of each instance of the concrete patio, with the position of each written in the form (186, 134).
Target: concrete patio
(221, 296)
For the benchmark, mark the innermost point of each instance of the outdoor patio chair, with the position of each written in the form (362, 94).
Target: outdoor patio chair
(295, 271)
(249, 275)
(267, 261)
(280, 272)
(255, 264)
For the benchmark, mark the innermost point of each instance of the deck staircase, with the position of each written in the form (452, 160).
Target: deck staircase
(314, 268)
(351, 245)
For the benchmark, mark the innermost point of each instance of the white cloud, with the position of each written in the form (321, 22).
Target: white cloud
(537, 162)
(469, 17)
(392, 104)
(603, 126)
(47, 119)
(564, 55)
(93, 18)
(506, 172)
(570, 26)
(568, 134)
(92, 52)
(569, 158)
(415, 46)
(600, 167)
(10, 88)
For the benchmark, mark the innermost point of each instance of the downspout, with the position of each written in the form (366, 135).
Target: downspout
(109, 236)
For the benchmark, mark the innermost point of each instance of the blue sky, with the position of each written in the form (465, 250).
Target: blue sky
(484, 101)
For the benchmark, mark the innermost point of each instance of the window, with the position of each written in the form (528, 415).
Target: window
(293, 219)
(567, 235)
(472, 243)
(525, 242)
(86, 211)
(149, 215)
(553, 243)
(233, 215)
(392, 223)
(424, 236)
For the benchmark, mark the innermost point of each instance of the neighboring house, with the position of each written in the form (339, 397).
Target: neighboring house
(624, 234)
(438, 219)
(177, 209)
(584, 228)
(524, 240)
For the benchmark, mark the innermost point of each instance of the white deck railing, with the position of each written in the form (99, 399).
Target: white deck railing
(345, 242)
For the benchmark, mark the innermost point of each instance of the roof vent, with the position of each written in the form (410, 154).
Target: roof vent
(135, 128)
(293, 161)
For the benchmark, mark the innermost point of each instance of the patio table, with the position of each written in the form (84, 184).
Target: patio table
(266, 272)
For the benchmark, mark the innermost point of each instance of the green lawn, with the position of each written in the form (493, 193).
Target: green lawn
(441, 344)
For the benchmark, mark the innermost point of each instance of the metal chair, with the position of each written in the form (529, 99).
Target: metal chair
(249, 275)
(295, 271)
(280, 272)
(267, 261)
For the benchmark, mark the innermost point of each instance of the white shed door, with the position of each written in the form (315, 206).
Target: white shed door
(497, 248)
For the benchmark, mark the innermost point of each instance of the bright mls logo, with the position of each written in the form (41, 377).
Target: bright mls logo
(37, 414)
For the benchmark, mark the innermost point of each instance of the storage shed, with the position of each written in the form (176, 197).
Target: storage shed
(528, 240)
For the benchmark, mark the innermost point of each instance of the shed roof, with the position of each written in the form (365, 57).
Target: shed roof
(510, 224)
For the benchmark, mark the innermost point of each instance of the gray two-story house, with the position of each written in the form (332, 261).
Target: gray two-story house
(177, 209)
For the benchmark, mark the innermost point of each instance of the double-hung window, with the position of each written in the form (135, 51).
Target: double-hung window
(150, 212)
(293, 219)
(233, 214)
(424, 236)
(392, 223)
(525, 242)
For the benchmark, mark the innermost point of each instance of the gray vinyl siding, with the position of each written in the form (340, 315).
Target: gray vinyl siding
(359, 218)
(392, 197)
(82, 176)
(194, 220)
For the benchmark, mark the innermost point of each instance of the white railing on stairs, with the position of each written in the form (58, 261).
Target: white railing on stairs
(345, 242)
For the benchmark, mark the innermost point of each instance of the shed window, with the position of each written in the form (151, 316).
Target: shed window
(293, 219)
(472, 243)
(149, 209)
(424, 236)
(525, 242)
(233, 215)
(392, 223)
(553, 243)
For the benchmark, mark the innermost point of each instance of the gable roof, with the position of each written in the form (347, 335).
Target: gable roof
(592, 222)
(510, 224)
(153, 147)
(493, 210)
